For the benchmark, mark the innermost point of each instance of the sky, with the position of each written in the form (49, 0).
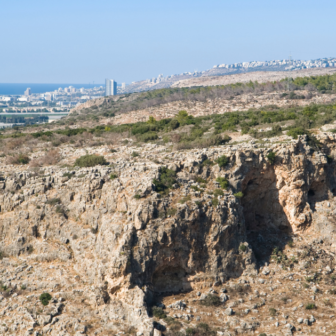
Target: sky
(81, 41)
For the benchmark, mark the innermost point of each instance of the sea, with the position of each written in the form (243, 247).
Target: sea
(12, 89)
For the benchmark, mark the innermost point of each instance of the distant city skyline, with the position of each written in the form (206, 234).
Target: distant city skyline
(71, 41)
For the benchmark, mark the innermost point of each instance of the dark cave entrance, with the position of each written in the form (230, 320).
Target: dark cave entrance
(317, 192)
(169, 280)
(266, 223)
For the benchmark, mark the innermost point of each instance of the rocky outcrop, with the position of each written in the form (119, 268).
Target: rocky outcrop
(122, 244)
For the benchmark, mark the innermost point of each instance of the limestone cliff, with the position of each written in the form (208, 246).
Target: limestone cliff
(107, 246)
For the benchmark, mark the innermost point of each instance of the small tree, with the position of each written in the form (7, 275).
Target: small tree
(151, 120)
(45, 298)
(271, 157)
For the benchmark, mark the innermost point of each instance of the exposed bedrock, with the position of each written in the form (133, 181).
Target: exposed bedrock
(128, 249)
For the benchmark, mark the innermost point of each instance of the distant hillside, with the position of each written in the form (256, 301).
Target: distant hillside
(162, 82)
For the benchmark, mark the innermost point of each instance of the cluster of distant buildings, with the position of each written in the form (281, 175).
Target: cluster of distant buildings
(61, 100)
(288, 64)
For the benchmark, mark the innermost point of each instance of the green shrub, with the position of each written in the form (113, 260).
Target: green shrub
(60, 210)
(137, 196)
(211, 300)
(45, 298)
(158, 312)
(191, 331)
(174, 124)
(310, 306)
(238, 194)
(272, 311)
(223, 182)
(185, 199)
(113, 176)
(294, 132)
(90, 161)
(222, 161)
(200, 180)
(148, 136)
(207, 162)
(218, 192)
(271, 157)
(71, 132)
(195, 188)
(54, 201)
(171, 212)
(242, 247)
(23, 159)
(68, 175)
(167, 178)
(135, 154)
(215, 202)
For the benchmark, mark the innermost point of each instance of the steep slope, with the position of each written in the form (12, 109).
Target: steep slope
(109, 247)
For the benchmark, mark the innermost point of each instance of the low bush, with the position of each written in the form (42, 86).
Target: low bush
(207, 162)
(202, 329)
(52, 157)
(222, 161)
(171, 212)
(295, 132)
(137, 196)
(185, 199)
(201, 180)
(135, 154)
(238, 194)
(211, 300)
(158, 313)
(272, 311)
(242, 247)
(150, 136)
(215, 202)
(54, 201)
(18, 159)
(166, 180)
(218, 192)
(68, 175)
(90, 161)
(173, 324)
(310, 306)
(45, 298)
(223, 182)
(271, 157)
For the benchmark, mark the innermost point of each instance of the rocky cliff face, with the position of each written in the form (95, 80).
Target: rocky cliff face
(107, 247)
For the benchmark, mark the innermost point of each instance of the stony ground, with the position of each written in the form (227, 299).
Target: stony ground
(100, 254)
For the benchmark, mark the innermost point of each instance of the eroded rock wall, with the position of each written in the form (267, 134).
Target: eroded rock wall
(124, 243)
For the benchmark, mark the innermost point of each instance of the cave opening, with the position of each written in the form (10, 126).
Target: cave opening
(266, 223)
(317, 192)
(170, 280)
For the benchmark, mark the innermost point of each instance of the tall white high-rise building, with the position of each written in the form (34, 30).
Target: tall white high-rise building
(27, 92)
(110, 87)
(123, 86)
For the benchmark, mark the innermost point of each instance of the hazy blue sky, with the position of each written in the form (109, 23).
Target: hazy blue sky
(80, 41)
